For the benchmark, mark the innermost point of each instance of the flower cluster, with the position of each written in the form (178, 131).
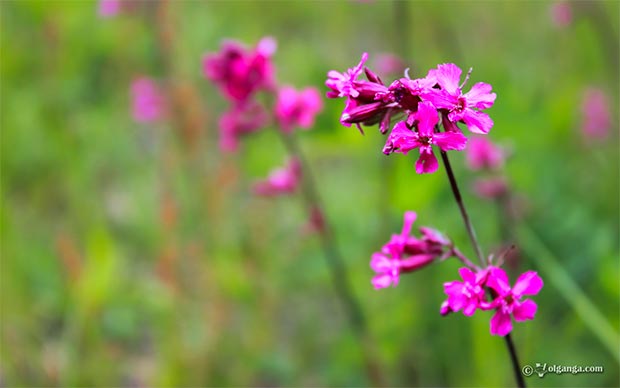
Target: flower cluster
(480, 289)
(489, 289)
(240, 74)
(407, 253)
(419, 106)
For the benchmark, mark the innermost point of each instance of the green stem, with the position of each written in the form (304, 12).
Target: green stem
(335, 262)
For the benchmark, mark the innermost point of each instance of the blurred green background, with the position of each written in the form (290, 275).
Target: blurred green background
(136, 255)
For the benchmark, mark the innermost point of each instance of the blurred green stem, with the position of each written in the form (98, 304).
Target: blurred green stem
(336, 265)
(575, 297)
(472, 236)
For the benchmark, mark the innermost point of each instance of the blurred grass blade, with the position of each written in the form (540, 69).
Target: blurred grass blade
(576, 298)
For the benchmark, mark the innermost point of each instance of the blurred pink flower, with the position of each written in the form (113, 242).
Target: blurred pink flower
(561, 13)
(481, 154)
(402, 139)
(280, 181)
(596, 115)
(387, 63)
(297, 108)
(508, 302)
(490, 188)
(109, 8)
(238, 121)
(406, 253)
(240, 72)
(148, 101)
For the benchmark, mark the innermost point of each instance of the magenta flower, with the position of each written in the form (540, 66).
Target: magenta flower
(561, 14)
(148, 101)
(450, 100)
(343, 84)
(240, 72)
(402, 139)
(406, 253)
(483, 154)
(596, 114)
(240, 120)
(109, 8)
(280, 181)
(468, 295)
(297, 108)
(508, 302)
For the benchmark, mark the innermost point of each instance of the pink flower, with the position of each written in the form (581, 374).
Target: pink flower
(490, 188)
(468, 295)
(240, 120)
(596, 115)
(387, 63)
(148, 101)
(406, 253)
(109, 8)
(403, 140)
(458, 106)
(280, 181)
(297, 109)
(363, 105)
(483, 154)
(240, 72)
(343, 84)
(561, 14)
(508, 302)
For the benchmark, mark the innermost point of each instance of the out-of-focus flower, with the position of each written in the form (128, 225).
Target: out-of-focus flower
(109, 8)
(508, 302)
(468, 295)
(561, 13)
(461, 107)
(238, 121)
(240, 72)
(403, 140)
(280, 181)
(387, 63)
(481, 154)
(297, 108)
(148, 101)
(491, 188)
(406, 253)
(596, 115)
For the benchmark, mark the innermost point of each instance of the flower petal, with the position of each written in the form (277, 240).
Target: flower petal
(427, 118)
(448, 76)
(480, 96)
(528, 283)
(498, 280)
(501, 324)
(427, 163)
(524, 311)
(409, 219)
(382, 281)
(477, 122)
(450, 141)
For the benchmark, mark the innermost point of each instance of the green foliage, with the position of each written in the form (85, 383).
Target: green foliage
(136, 255)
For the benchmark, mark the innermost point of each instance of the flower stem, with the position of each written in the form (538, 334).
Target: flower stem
(459, 201)
(335, 262)
(472, 236)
